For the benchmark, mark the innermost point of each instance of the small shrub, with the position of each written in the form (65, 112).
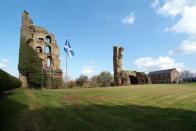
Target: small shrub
(104, 79)
(70, 84)
(55, 83)
(81, 81)
(94, 82)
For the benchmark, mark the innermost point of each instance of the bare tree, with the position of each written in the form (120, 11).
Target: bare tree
(104, 79)
(66, 78)
(81, 80)
(187, 74)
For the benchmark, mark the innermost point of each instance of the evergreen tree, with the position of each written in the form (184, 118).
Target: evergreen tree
(30, 64)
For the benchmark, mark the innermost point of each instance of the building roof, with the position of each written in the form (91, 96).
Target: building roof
(162, 71)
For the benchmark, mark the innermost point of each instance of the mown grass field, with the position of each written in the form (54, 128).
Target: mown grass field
(142, 107)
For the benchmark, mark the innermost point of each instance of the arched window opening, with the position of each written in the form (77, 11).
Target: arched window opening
(48, 62)
(48, 49)
(38, 49)
(40, 40)
(48, 39)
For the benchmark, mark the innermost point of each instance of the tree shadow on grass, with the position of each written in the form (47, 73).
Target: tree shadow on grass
(114, 118)
(10, 110)
(94, 117)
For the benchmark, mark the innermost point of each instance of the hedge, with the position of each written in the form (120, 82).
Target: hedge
(8, 82)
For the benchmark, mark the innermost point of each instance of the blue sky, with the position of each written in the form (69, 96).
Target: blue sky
(156, 34)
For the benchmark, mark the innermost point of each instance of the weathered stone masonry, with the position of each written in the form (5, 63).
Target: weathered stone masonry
(117, 62)
(40, 39)
(126, 78)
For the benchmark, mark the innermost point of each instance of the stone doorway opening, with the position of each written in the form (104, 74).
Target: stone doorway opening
(133, 79)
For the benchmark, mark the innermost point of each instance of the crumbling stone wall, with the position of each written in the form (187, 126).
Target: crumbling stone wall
(123, 77)
(117, 64)
(40, 39)
(143, 78)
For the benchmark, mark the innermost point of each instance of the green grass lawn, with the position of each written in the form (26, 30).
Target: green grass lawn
(142, 107)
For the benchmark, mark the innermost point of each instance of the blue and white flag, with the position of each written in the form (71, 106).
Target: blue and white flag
(68, 50)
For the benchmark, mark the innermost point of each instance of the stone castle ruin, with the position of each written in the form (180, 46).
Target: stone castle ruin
(126, 78)
(43, 42)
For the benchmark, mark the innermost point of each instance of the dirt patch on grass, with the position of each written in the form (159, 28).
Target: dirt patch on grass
(75, 99)
(98, 99)
(30, 94)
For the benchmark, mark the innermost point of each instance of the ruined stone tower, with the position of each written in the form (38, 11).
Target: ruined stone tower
(117, 63)
(123, 77)
(43, 42)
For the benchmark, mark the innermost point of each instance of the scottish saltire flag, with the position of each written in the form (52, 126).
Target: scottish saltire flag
(68, 50)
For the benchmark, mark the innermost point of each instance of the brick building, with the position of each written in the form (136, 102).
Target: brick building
(165, 76)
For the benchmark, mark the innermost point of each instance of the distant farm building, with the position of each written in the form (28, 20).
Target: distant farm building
(165, 76)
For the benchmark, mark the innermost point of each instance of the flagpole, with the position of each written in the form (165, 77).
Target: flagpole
(66, 66)
(50, 76)
(67, 49)
(42, 79)
(66, 74)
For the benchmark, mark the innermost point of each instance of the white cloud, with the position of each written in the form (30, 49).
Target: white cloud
(5, 60)
(88, 70)
(148, 64)
(14, 73)
(155, 3)
(172, 7)
(186, 47)
(129, 19)
(3, 65)
(11, 71)
(187, 23)
(194, 71)
(186, 11)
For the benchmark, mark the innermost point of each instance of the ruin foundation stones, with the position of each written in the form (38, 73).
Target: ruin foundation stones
(43, 42)
(126, 78)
